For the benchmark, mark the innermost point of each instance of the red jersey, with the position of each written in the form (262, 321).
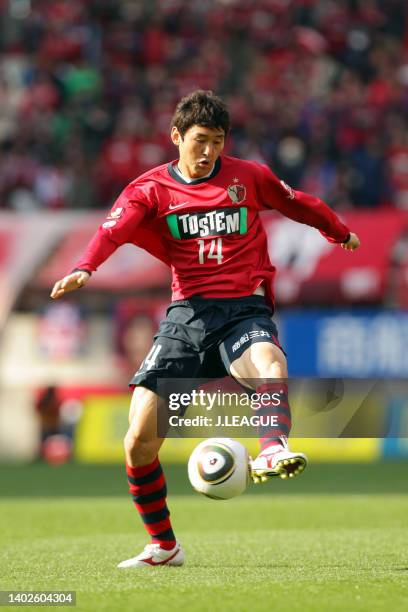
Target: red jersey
(208, 230)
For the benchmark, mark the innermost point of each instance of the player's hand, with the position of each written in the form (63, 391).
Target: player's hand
(69, 283)
(352, 243)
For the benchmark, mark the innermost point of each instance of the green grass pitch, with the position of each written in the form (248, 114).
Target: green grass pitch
(334, 539)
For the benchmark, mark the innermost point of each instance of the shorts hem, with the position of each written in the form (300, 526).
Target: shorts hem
(151, 385)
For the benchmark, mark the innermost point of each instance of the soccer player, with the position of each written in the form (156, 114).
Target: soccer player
(200, 215)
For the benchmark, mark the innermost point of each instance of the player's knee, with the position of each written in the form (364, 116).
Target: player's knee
(279, 370)
(274, 369)
(138, 450)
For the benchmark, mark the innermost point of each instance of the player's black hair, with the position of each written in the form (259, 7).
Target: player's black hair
(201, 108)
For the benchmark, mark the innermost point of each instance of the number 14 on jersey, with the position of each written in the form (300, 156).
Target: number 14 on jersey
(210, 250)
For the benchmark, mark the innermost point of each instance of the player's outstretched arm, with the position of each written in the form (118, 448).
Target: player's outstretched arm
(352, 243)
(72, 281)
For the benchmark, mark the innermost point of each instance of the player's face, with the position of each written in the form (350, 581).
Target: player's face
(198, 148)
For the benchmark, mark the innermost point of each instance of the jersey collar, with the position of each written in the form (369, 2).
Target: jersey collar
(179, 179)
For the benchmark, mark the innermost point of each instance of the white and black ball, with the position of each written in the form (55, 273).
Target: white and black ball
(219, 468)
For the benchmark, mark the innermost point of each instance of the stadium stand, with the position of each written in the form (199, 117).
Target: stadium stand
(317, 89)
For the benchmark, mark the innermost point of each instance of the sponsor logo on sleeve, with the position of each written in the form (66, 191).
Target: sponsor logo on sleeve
(115, 214)
(291, 193)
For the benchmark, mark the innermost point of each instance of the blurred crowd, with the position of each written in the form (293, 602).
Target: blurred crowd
(318, 89)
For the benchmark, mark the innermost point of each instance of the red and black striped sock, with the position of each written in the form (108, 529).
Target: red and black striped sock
(147, 487)
(277, 405)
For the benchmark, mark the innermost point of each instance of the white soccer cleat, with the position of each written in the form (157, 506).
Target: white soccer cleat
(153, 555)
(277, 460)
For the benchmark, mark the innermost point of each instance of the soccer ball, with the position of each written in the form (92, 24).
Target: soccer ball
(219, 468)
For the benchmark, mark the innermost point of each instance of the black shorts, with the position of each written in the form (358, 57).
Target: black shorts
(201, 337)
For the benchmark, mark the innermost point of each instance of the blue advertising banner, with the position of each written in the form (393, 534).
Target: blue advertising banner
(331, 343)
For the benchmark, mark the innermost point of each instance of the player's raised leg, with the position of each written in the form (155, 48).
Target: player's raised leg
(262, 366)
(147, 483)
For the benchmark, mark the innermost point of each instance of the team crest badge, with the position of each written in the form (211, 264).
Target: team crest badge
(237, 193)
